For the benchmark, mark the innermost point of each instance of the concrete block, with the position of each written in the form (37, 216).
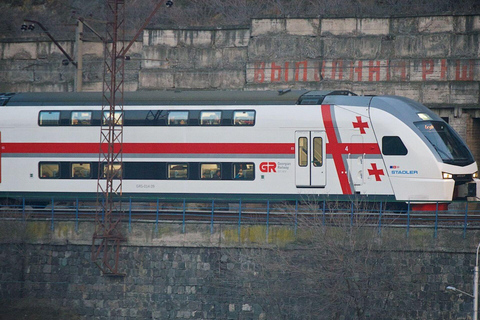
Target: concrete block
(436, 93)
(338, 48)
(404, 26)
(465, 46)
(308, 48)
(464, 93)
(399, 70)
(409, 90)
(234, 58)
(197, 38)
(460, 24)
(366, 89)
(463, 70)
(338, 27)
(53, 73)
(302, 27)
(95, 86)
(186, 57)
(367, 48)
(19, 71)
(266, 26)
(476, 23)
(158, 57)
(136, 48)
(45, 49)
(51, 87)
(205, 79)
(437, 45)
(428, 70)
(435, 24)
(160, 37)
(232, 38)
(385, 88)
(373, 26)
(94, 49)
(19, 51)
(408, 46)
(156, 79)
(208, 58)
(285, 48)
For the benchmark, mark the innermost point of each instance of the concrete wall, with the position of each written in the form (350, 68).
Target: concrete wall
(172, 275)
(435, 60)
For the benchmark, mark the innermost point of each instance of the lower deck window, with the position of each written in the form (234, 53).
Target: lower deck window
(178, 171)
(49, 170)
(149, 170)
(211, 171)
(243, 171)
(114, 170)
(81, 170)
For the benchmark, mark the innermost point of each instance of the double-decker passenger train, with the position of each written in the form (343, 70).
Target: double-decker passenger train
(236, 144)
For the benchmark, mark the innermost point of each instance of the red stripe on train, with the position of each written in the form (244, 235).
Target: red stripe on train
(152, 148)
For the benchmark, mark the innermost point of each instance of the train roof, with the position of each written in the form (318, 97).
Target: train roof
(218, 97)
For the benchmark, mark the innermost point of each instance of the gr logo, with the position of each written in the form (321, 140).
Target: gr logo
(268, 167)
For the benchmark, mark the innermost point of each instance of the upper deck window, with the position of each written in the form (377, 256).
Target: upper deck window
(49, 118)
(243, 118)
(81, 118)
(117, 121)
(210, 118)
(177, 118)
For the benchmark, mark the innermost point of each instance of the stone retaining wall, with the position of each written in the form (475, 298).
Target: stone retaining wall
(176, 274)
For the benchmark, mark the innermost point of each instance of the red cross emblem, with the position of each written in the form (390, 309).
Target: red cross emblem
(361, 125)
(337, 149)
(376, 172)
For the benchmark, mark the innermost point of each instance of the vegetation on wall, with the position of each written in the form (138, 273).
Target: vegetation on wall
(60, 16)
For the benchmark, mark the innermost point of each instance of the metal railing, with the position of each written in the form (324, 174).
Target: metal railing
(381, 214)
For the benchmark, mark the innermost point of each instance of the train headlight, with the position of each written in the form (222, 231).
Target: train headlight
(475, 175)
(446, 175)
(424, 116)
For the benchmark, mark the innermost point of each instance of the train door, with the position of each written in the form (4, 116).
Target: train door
(356, 164)
(310, 158)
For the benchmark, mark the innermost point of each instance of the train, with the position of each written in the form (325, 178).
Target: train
(286, 144)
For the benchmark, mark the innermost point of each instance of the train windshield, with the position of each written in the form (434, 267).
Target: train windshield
(448, 144)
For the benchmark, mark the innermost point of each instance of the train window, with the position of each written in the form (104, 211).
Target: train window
(210, 171)
(144, 118)
(243, 118)
(118, 118)
(80, 171)
(81, 118)
(317, 152)
(177, 118)
(210, 118)
(49, 118)
(302, 152)
(49, 170)
(178, 171)
(243, 171)
(114, 170)
(393, 146)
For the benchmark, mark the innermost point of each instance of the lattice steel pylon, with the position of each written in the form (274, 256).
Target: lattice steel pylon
(108, 235)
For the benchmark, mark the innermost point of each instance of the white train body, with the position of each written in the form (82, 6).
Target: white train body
(290, 146)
